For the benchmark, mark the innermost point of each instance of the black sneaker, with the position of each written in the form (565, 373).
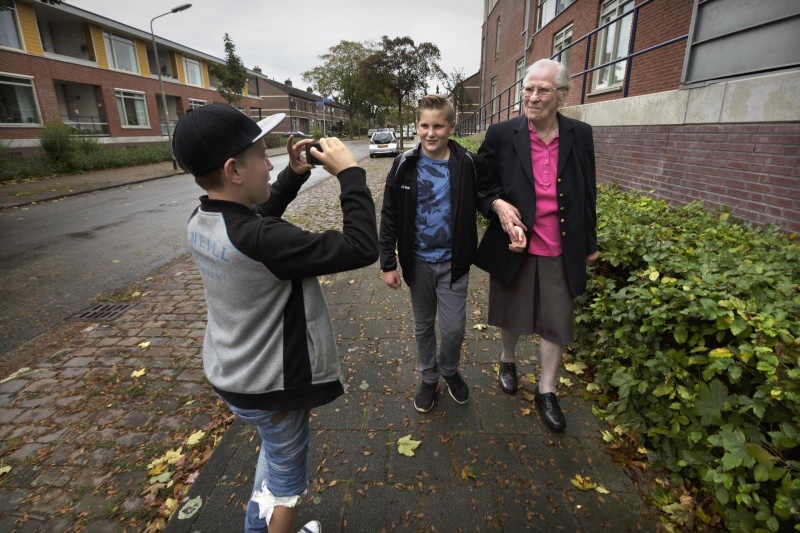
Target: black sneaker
(426, 397)
(458, 389)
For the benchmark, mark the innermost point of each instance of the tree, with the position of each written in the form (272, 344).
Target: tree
(454, 85)
(232, 75)
(339, 76)
(403, 68)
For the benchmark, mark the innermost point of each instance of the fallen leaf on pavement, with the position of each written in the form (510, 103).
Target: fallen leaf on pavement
(406, 446)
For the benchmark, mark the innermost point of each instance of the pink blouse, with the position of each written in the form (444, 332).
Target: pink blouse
(546, 237)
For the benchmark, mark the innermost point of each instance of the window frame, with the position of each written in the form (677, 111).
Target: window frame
(12, 11)
(30, 84)
(493, 98)
(520, 74)
(186, 62)
(111, 53)
(195, 103)
(606, 14)
(497, 39)
(558, 7)
(135, 95)
(556, 42)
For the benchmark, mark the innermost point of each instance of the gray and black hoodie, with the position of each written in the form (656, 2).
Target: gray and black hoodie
(269, 342)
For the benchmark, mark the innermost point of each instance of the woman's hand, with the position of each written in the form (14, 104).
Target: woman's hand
(591, 258)
(510, 220)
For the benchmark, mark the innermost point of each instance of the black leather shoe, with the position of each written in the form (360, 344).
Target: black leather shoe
(551, 412)
(508, 377)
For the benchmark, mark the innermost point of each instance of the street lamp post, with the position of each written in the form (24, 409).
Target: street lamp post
(160, 79)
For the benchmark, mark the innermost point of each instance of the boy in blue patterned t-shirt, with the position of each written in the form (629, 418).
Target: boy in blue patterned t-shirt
(429, 216)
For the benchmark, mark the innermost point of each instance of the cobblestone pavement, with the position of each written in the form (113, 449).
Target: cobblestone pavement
(78, 430)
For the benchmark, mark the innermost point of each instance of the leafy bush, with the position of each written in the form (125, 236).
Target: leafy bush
(273, 140)
(87, 155)
(691, 328)
(469, 143)
(60, 144)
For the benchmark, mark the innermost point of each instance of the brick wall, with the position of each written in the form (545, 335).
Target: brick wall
(752, 169)
(46, 72)
(653, 72)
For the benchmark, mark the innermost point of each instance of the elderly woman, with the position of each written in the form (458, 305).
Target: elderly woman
(545, 164)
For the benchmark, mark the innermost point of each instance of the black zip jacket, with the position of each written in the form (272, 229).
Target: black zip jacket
(469, 182)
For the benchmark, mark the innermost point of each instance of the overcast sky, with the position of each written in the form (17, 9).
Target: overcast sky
(286, 38)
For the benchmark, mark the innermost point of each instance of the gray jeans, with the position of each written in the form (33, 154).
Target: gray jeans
(431, 292)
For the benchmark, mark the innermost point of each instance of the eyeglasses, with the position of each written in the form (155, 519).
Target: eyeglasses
(541, 92)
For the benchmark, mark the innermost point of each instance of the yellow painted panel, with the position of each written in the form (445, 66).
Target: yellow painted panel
(177, 65)
(204, 69)
(99, 47)
(141, 53)
(30, 33)
(87, 36)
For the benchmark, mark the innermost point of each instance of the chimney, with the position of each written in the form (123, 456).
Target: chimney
(288, 82)
(257, 69)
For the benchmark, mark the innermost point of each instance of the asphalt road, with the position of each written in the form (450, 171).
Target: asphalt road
(57, 257)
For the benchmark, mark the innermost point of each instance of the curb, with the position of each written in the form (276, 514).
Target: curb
(92, 189)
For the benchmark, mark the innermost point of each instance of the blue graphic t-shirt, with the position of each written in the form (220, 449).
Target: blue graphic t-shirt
(433, 234)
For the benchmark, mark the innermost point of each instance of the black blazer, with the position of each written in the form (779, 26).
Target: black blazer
(507, 150)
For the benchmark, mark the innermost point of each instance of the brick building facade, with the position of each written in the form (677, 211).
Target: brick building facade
(731, 142)
(101, 77)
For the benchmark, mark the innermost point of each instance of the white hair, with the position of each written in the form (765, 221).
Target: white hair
(562, 74)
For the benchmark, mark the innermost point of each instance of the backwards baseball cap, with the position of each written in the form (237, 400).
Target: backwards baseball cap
(206, 137)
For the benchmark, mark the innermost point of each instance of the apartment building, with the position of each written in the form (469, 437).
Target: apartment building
(689, 99)
(101, 77)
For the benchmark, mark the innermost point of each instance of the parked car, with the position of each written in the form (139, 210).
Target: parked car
(383, 143)
(408, 133)
(371, 132)
(297, 134)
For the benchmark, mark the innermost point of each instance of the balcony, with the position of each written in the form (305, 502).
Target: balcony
(86, 125)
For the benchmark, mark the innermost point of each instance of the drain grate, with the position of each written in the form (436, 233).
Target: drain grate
(102, 312)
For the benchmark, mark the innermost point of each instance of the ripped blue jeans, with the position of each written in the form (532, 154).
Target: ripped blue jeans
(282, 462)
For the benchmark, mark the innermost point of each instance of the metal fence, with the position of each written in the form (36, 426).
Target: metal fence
(86, 125)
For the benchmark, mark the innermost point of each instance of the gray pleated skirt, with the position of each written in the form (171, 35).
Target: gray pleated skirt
(537, 301)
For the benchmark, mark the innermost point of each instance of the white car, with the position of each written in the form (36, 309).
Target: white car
(383, 143)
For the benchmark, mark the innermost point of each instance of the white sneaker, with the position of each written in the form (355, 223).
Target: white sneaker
(312, 527)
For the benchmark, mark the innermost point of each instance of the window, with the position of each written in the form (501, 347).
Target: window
(494, 95)
(18, 104)
(561, 40)
(497, 40)
(121, 52)
(241, 108)
(194, 76)
(518, 86)
(549, 9)
(9, 34)
(132, 109)
(612, 43)
(194, 104)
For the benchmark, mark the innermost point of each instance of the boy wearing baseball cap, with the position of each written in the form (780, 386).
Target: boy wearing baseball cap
(269, 348)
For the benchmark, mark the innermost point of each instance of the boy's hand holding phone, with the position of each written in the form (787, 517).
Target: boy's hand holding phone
(332, 154)
(294, 150)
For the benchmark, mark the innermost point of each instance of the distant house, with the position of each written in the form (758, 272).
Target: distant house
(304, 110)
(59, 63)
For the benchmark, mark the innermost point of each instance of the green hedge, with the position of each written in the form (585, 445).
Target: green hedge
(65, 152)
(691, 330)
